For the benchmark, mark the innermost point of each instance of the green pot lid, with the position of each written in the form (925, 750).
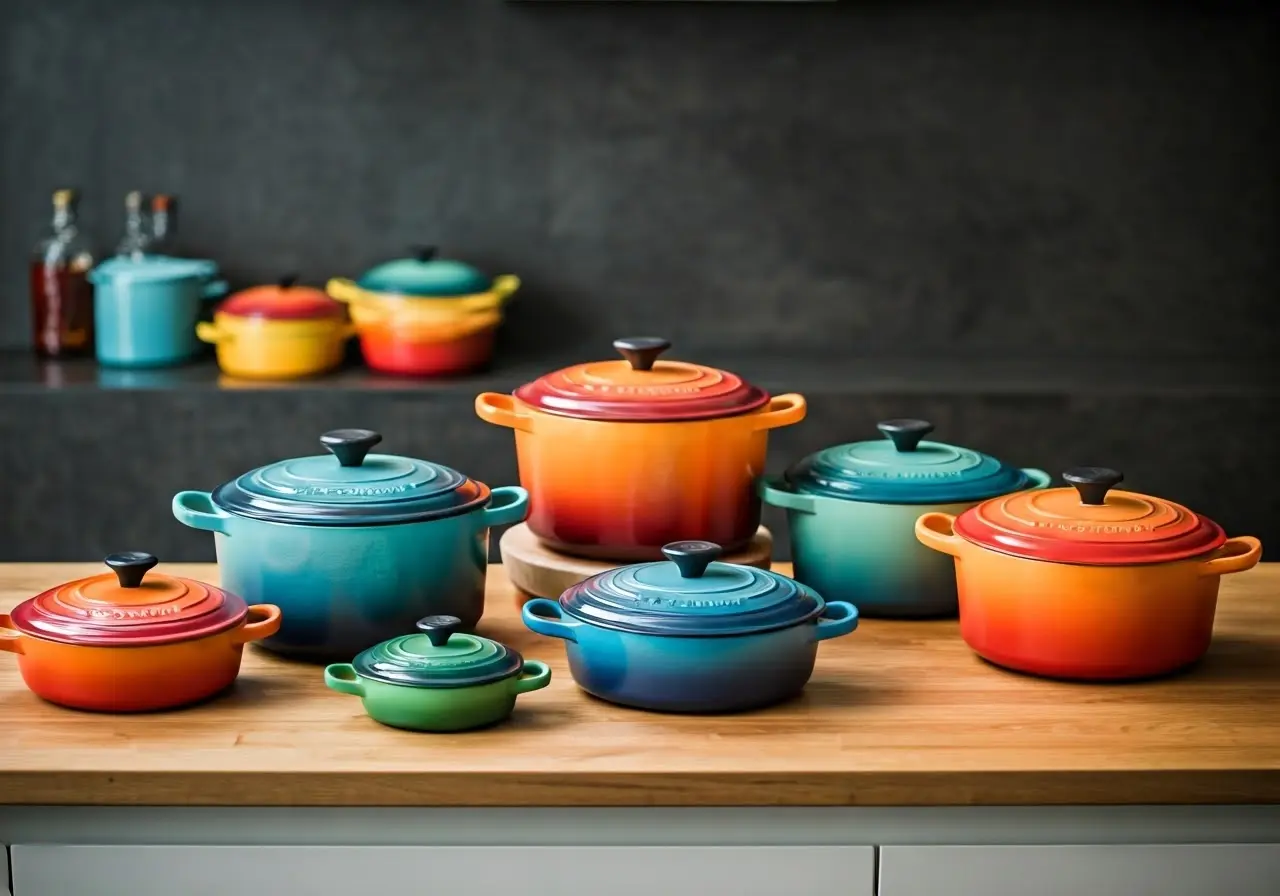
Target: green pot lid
(151, 268)
(350, 487)
(440, 657)
(691, 595)
(903, 468)
(425, 276)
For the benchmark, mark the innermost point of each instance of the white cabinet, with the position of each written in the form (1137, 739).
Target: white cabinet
(53, 870)
(1188, 870)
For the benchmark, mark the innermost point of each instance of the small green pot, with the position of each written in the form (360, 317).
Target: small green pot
(441, 680)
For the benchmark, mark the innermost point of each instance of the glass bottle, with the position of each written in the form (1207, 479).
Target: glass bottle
(61, 296)
(136, 239)
(164, 223)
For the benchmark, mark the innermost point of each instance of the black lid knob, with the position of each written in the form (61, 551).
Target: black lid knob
(130, 567)
(350, 445)
(641, 351)
(287, 281)
(439, 628)
(424, 253)
(1093, 483)
(906, 433)
(691, 557)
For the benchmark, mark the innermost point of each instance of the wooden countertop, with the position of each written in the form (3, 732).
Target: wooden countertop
(899, 713)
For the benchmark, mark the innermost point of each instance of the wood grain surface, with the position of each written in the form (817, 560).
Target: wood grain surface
(898, 713)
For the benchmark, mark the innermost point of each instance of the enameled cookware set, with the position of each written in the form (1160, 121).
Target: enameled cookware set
(657, 465)
(419, 316)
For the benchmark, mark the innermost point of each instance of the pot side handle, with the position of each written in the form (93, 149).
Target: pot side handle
(10, 637)
(215, 289)
(340, 289)
(341, 677)
(936, 530)
(264, 622)
(500, 410)
(783, 410)
(504, 286)
(207, 332)
(507, 504)
(1238, 554)
(534, 677)
(544, 617)
(773, 491)
(1039, 478)
(195, 509)
(838, 618)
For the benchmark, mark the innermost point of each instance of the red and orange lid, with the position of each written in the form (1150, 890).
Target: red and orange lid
(642, 388)
(1090, 523)
(283, 300)
(128, 608)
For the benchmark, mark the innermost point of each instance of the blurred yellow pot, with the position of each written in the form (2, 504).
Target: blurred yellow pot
(425, 288)
(278, 332)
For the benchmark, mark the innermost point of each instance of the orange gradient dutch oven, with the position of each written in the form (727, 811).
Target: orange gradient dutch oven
(127, 642)
(1087, 582)
(621, 457)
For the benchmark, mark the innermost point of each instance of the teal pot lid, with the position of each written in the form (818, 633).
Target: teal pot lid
(903, 468)
(350, 487)
(691, 595)
(440, 656)
(150, 268)
(424, 275)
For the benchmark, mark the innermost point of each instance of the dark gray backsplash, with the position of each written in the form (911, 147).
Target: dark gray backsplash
(897, 179)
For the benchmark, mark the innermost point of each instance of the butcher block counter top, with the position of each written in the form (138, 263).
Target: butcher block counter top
(897, 714)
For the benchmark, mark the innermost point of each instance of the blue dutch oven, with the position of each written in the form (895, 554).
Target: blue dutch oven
(690, 634)
(353, 547)
(145, 308)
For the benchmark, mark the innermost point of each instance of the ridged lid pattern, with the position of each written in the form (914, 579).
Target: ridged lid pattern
(902, 468)
(350, 487)
(691, 595)
(440, 657)
(1090, 523)
(641, 388)
(128, 608)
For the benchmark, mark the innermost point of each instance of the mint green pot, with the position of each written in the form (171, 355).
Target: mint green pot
(440, 680)
(852, 511)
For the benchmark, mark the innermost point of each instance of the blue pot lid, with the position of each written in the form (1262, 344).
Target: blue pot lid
(425, 276)
(440, 657)
(350, 487)
(150, 268)
(903, 468)
(690, 595)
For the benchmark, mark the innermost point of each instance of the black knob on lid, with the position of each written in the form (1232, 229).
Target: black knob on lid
(691, 557)
(1093, 483)
(130, 567)
(641, 351)
(287, 281)
(350, 445)
(439, 628)
(906, 434)
(424, 253)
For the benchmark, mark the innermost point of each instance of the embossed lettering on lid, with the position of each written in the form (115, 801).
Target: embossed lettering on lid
(350, 487)
(904, 468)
(129, 607)
(642, 388)
(441, 656)
(1091, 523)
(691, 595)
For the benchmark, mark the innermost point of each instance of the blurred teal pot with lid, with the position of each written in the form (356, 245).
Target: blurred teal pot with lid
(146, 307)
(852, 511)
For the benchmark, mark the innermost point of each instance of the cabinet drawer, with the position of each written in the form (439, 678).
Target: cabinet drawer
(1226, 869)
(52, 870)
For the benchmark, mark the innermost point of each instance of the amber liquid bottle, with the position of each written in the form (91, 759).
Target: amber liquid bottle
(61, 295)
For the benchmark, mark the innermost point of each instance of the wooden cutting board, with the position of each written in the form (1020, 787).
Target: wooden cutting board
(538, 571)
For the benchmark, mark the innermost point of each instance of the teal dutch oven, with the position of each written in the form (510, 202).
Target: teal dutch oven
(146, 307)
(852, 511)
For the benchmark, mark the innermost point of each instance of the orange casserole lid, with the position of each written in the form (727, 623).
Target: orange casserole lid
(283, 300)
(1090, 523)
(642, 389)
(128, 608)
